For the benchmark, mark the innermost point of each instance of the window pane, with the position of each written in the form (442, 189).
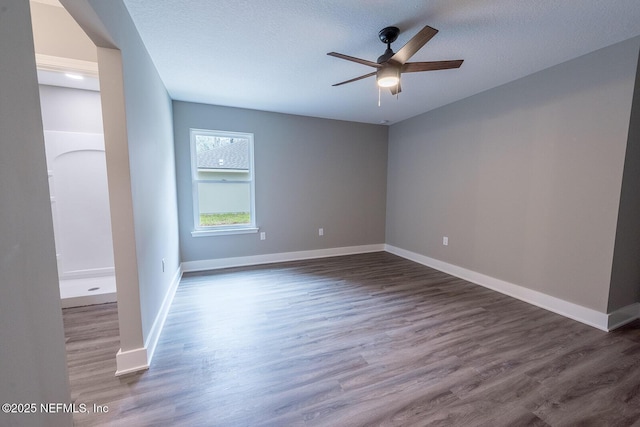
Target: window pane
(222, 157)
(222, 174)
(224, 203)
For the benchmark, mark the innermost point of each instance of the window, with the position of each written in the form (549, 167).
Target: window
(223, 182)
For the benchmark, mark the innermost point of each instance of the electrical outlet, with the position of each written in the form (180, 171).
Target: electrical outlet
(320, 231)
(263, 235)
(445, 241)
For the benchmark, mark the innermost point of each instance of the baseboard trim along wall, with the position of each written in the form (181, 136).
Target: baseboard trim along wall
(131, 361)
(140, 359)
(154, 334)
(623, 316)
(603, 321)
(215, 264)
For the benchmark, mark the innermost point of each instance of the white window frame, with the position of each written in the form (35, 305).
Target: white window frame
(219, 230)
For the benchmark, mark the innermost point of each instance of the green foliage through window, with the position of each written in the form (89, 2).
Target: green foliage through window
(212, 219)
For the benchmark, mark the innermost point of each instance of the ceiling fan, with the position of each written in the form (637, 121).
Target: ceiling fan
(391, 65)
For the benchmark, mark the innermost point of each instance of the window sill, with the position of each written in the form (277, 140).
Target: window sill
(224, 232)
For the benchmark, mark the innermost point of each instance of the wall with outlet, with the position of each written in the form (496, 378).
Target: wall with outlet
(319, 183)
(524, 180)
(137, 115)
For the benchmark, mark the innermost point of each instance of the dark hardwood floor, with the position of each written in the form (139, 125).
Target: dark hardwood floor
(361, 340)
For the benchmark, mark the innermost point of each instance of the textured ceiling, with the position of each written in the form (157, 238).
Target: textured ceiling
(271, 55)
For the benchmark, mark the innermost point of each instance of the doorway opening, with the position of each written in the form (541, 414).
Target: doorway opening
(74, 142)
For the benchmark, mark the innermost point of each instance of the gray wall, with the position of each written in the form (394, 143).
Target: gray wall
(310, 173)
(151, 155)
(32, 354)
(625, 275)
(524, 179)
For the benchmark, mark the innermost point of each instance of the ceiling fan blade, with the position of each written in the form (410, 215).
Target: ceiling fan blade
(355, 79)
(412, 67)
(353, 59)
(396, 89)
(414, 45)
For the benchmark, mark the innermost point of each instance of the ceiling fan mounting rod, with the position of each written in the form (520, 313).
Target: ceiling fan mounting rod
(387, 35)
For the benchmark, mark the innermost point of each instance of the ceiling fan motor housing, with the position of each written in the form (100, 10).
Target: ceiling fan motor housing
(385, 56)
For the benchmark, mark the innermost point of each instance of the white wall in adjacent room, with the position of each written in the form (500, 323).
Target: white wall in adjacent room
(72, 120)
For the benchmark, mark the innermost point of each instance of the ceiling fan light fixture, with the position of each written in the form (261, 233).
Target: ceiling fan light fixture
(388, 81)
(388, 77)
(391, 65)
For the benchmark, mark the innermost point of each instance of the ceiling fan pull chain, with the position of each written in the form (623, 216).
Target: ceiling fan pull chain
(379, 96)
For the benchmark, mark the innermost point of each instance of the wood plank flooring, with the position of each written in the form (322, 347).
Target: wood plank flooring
(361, 340)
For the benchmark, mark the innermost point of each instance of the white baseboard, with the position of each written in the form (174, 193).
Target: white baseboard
(131, 361)
(139, 359)
(158, 323)
(624, 315)
(603, 321)
(215, 264)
